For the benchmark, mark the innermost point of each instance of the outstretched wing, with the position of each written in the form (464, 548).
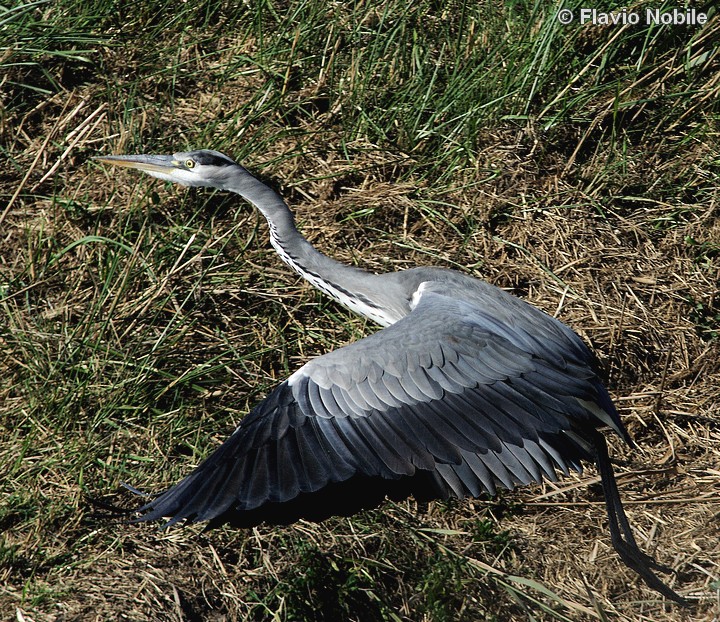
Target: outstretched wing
(452, 400)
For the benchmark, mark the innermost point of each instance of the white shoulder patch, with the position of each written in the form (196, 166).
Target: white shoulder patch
(417, 295)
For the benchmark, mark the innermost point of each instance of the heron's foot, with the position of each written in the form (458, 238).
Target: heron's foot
(642, 563)
(642, 558)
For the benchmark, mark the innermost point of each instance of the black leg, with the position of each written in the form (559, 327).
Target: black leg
(620, 533)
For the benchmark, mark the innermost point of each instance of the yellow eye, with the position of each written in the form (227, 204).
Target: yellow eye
(189, 163)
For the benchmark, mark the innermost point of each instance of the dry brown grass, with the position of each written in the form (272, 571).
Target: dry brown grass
(127, 365)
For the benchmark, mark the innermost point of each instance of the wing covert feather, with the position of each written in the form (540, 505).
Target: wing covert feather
(454, 395)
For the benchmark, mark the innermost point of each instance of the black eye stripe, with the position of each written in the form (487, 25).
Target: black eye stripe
(210, 159)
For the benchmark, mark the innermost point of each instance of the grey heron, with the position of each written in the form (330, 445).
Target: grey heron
(467, 389)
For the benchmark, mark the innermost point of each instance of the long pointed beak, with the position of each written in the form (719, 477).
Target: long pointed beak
(149, 163)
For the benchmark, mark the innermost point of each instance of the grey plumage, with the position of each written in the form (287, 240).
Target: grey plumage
(468, 389)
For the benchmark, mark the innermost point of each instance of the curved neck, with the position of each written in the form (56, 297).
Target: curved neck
(354, 288)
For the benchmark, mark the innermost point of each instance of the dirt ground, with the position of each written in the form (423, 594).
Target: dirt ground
(557, 224)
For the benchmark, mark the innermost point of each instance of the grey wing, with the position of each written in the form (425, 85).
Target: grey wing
(452, 400)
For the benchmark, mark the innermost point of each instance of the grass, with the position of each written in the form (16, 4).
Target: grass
(575, 165)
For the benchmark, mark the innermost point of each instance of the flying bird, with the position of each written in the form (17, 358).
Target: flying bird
(466, 389)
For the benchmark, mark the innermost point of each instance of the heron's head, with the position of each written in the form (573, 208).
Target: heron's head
(202, 167)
